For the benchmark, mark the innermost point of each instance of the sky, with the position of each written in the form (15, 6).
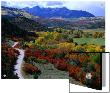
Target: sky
(95, 7)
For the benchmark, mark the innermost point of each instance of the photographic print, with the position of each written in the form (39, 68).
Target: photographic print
(53, 40)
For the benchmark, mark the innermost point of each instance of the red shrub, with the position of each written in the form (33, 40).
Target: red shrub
(60, 64)
(28, 53)
(29, 68)
(73, 70)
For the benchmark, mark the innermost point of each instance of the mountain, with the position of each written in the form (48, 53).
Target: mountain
(9, 29)
(21, 19)
(14, 12)
(24, 23)
(57, 12)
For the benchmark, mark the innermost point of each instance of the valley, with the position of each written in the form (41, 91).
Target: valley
(52, 47)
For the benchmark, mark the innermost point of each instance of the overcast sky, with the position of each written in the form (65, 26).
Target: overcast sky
(95, 7)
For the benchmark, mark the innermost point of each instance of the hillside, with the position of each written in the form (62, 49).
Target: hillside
(22, 19)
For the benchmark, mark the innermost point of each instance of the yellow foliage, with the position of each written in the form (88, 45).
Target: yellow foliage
(66, 46)
(98, 49)
(78, 47)
(49, 39)
(93, 48)
(39, 40)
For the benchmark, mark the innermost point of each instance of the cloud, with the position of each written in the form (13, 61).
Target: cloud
(54, 3)
(3, 3)
(19, 4)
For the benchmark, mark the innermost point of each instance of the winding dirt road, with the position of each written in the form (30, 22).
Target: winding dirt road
(19, 61)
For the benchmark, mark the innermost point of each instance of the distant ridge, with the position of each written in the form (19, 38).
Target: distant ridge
(57, 12)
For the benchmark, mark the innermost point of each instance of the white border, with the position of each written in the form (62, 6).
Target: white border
(53, 0)
(107, 26)
(56, 85)
(34, 86)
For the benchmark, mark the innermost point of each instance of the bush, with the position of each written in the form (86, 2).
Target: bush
(30, 69)
(37, 74)
(96, 58)
(41, 61)
(59, 55)
(70, 40)
(91, 67)
(73, 62)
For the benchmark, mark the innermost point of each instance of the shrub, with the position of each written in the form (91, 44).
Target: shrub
(29, 68)
(96, 58)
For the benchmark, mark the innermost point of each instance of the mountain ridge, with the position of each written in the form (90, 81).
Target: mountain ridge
(57, 12)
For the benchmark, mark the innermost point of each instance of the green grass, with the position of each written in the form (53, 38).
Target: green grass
(96, 41)
(95, 30)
